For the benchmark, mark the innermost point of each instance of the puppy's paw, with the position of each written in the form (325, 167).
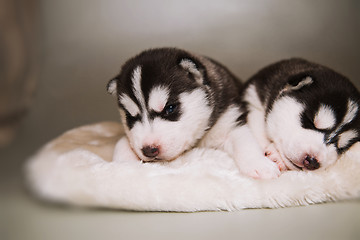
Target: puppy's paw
(261, 169)
(272, 153)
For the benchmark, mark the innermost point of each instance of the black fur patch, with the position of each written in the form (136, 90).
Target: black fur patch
(242, 119)
(130, 120)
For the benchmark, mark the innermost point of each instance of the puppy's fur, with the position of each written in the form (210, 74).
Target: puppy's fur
(171, 100)
(304, 115)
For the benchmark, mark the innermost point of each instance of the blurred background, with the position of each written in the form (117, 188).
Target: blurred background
(56, 58)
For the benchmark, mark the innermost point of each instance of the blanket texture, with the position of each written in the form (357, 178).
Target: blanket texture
(77, 168)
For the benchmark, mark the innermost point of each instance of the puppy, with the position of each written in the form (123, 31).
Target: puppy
(303, 115)
(171, 100)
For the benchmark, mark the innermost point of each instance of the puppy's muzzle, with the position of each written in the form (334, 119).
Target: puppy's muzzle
(311, 163)
(151, 151)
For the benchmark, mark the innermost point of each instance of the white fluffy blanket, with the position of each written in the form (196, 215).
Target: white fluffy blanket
(76, 168)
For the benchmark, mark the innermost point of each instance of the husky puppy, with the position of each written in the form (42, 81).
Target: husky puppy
(171, 100)
(304, 115)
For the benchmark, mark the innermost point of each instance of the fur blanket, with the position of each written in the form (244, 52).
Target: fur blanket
(77, 168)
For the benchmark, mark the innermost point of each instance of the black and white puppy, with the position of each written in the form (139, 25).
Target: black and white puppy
(304, 115)
(171, 100)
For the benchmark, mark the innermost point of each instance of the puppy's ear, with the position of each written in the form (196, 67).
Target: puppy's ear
(298, 82)
(195, 70)
(112, 86)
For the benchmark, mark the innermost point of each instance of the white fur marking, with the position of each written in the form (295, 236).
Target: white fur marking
(324, 118)
(136, 82)
(256, 116)
(346, 137)
(253, 99)
(190, 66)
(129, 105)
(158, 98)
(352, 110)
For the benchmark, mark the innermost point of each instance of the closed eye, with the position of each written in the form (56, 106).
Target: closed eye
(307, 121)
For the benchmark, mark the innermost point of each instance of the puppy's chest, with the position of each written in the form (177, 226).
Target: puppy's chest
(219, 133)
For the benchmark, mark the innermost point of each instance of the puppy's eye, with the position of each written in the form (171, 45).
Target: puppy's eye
(306, 121)
(169, 109)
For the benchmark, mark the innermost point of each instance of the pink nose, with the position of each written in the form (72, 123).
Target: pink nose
(311, 163)
(150, 151)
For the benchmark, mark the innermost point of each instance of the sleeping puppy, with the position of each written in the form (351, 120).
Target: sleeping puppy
(304, 115)
(171, 100)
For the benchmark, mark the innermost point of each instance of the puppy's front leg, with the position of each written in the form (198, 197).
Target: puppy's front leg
(124, 153)
(248, 155)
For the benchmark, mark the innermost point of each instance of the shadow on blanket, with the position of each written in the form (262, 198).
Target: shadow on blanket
(76, 168)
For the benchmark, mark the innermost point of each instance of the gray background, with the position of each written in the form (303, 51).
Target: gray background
(83, 44)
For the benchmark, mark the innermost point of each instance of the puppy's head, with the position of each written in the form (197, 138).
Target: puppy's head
(163, 101)
(315, 119)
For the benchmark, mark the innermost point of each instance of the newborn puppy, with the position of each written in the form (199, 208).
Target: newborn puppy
(304, 115)
(171, 100)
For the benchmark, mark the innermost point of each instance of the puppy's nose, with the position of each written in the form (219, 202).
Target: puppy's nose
(150, 151)
(311, 163)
